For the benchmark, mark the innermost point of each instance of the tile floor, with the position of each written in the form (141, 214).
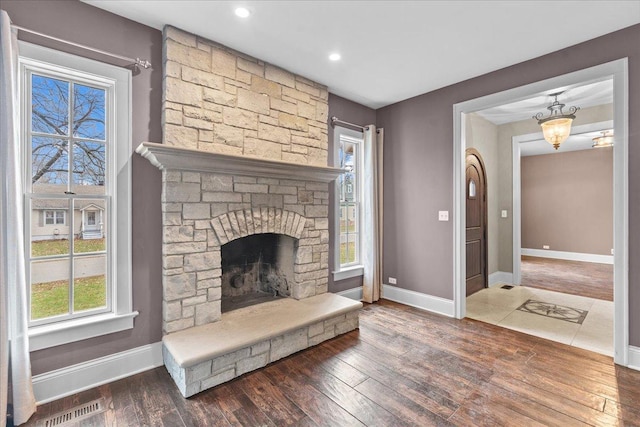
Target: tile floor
(499, 307)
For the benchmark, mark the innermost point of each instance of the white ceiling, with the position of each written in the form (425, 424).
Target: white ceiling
(584, 96)
(391, 50)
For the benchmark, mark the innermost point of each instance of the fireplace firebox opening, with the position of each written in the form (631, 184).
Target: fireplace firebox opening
(256, 269)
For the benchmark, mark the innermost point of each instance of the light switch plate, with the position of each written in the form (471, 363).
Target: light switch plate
(504, 213)
(443, 215)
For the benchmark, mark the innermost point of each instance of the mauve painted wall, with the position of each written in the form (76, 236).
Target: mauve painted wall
(81, 23)
(351, 112)
(567, 201)
(419, 165)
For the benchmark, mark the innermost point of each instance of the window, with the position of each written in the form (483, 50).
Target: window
(76, 143)
(54, 217)
(472, 189)
(348, 156)
(91, 218)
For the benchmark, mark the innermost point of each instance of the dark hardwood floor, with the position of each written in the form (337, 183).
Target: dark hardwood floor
(403, 367)
(586, 279)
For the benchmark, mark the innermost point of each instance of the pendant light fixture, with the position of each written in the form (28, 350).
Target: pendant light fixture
(556, 128)
(604, 140)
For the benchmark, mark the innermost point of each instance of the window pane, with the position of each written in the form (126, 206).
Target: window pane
(89, 284)
(49, 288)
(88, 112)
(49, 164)
(349, 187)
(348, 251)
(90, 218)
(352, 218)
(49, 227)
(472, 189)
(343, 218)
(347, 154)
(344, 248)
(49, 105)
(353, 248)
(89, 167)
(59, 217)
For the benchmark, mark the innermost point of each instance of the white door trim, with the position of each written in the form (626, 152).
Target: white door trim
(618, 70)
(517, 202)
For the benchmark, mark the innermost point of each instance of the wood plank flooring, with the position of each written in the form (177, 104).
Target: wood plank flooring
(404, 367)
(586, 279)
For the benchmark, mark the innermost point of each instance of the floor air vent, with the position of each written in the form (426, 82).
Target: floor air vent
(76, 414)
(507, 287)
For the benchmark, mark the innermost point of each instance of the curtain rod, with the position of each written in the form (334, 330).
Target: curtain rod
(335, 120)
(137, 61)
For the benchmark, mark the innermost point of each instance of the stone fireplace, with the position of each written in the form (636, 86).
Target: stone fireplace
(204, 210)
(245, 199)
(239, 231)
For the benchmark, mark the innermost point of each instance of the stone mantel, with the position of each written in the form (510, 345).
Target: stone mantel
(167, 157)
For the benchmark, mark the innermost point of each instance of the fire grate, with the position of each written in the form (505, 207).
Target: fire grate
(74, 414)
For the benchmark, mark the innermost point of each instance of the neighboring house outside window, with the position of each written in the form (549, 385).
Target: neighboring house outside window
(76, 143)
(348, 156)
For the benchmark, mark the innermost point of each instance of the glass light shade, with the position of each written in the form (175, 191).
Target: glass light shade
(603, 141)
(556, 131)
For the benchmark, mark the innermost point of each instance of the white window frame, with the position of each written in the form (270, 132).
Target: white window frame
(54, 217)
(346, 271)
(120, 314)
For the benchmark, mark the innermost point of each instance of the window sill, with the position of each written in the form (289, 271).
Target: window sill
(41, 337)
(348, 272)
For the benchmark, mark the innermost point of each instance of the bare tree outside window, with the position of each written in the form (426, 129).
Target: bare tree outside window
(63, 115)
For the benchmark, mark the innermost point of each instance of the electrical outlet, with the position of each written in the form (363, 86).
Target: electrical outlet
(392, 281)
(443, 215)
(545, 246)
(611, 251)
(504, 213)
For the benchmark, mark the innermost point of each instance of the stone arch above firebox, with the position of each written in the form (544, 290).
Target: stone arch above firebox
(234, 225)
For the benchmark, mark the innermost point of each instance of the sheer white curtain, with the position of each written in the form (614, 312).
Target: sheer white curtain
(14, 341)
(372, 214)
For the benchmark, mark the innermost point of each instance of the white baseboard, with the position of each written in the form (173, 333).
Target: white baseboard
(353, 293)
(569, 256)
(634, 358)
(500, 277)
(418, 300)
(66, 381)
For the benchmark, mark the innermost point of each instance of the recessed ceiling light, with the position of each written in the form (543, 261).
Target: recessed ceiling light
(242, 12)
(334, 57)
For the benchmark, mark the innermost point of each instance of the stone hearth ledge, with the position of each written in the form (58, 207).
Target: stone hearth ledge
(167, 157)
(246, 339)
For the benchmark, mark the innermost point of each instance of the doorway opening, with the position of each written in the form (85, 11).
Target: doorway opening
(616, 72)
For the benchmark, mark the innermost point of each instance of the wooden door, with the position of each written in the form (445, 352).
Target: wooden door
(476, 228)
